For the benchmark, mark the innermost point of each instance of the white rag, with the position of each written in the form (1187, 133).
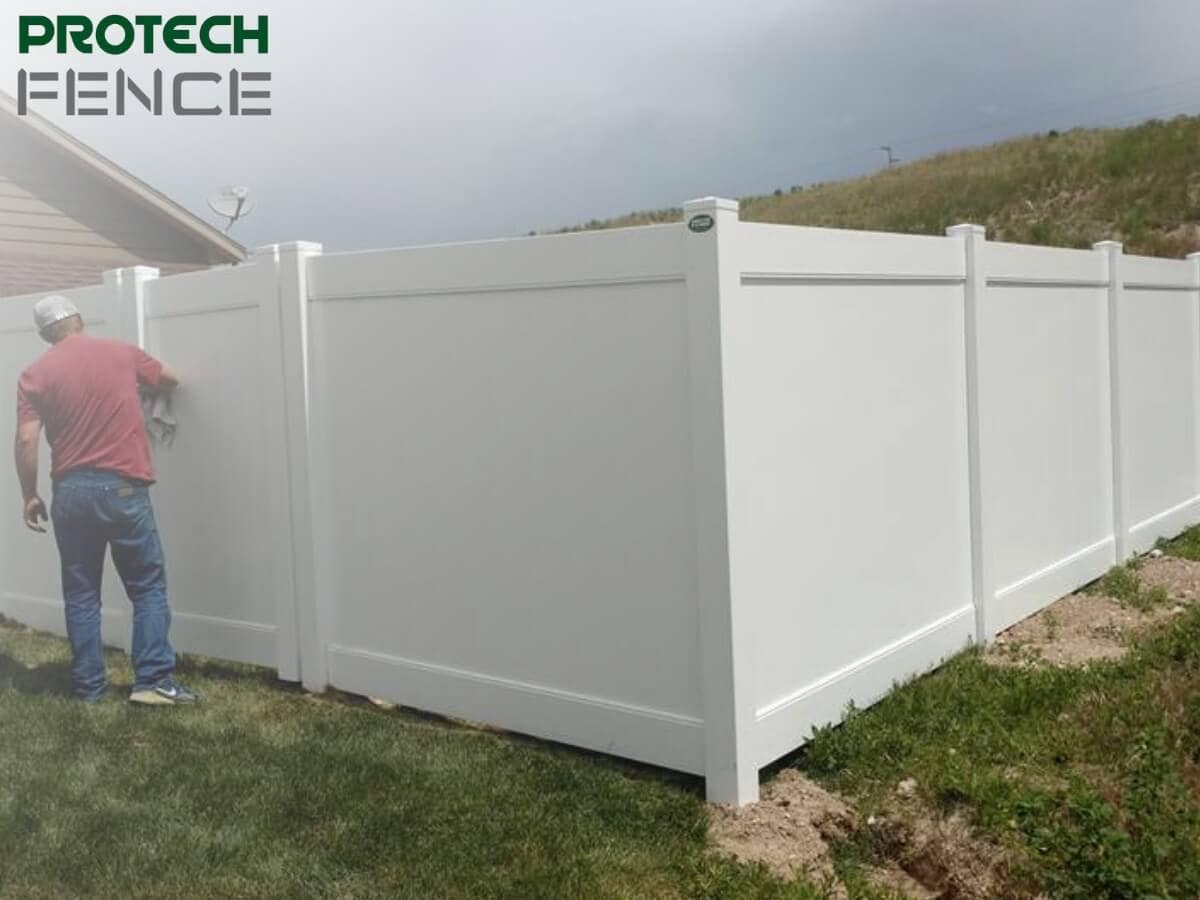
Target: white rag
(160, 418)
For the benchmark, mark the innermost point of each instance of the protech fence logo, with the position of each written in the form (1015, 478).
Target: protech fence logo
(100, 92)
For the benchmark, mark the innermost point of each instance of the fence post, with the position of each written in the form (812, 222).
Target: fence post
(1114, 254)
(713, 278)
(299, 619)
(129, 286)
(982, 588)
(1194, 259)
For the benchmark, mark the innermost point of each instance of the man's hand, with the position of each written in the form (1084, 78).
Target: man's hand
(26, 454)
(35, 514)
(168, 380)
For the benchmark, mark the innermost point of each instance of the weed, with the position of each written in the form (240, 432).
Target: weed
(1050, 620)
(1185, 546)
(1119, 582)
(1042, 232)
(1123, 585)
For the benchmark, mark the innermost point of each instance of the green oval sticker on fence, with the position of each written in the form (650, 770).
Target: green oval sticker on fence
(701, 223)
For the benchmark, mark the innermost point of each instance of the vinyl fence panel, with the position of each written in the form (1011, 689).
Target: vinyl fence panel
(1045, 426)
(1160, 393)
(223, 494)
(845, 415)
(502, 485)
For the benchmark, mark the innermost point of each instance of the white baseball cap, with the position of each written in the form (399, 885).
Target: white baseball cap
(52, 309)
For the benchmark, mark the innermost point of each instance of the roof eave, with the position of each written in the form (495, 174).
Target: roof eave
(215, 239)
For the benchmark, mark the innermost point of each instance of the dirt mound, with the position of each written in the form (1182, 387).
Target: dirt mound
(920, 854)
(789, 829)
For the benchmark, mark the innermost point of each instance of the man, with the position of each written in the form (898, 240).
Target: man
(84, 391)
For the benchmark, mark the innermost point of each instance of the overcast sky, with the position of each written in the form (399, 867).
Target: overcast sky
(402, 122)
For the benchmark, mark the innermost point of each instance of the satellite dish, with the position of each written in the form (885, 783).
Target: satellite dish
(232, 203)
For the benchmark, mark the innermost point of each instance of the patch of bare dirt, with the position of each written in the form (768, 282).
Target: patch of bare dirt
(899, 883)
(1073, 631)
(1179, 577)
(922, 855)
(789, 829)
(1082, 628)
(942, 854)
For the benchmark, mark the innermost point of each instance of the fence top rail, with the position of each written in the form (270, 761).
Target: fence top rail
(515, 239)
(786, 253)
(1029, 265)
(28, 300)
(16, 313)
(1154, 273)
(580, 259)
(831, 231)
(209, 290)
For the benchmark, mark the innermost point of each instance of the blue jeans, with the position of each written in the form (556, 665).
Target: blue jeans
(93, 510)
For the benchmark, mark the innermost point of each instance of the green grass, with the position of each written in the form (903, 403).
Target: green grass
(264, 792)
(1089, 777)
(1123, 584)
(1185, 546)
(1140, 185)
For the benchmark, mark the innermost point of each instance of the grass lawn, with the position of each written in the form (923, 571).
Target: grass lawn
(262, 791)
(1090, 777)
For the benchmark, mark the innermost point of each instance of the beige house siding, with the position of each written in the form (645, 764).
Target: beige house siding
(64, 219)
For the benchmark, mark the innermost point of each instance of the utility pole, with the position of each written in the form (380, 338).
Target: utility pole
(891, 160)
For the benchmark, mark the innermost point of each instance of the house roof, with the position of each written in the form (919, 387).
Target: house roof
(223, 246)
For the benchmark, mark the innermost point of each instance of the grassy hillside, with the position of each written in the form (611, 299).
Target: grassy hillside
(1140, 185)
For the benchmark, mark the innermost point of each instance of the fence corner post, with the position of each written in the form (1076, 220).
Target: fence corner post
(713, 278)
(129, 286)
(301, 619)
(1114, 255)
(974, 285)
(1194, 259)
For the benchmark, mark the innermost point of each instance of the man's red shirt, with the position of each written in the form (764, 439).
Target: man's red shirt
(85, 392)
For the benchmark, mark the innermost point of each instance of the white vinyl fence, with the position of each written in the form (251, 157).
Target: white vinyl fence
(677, 493)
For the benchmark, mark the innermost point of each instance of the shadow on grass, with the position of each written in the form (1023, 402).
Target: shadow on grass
(326, 795)
(54, 679)
(208, 667)
(47, 679)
